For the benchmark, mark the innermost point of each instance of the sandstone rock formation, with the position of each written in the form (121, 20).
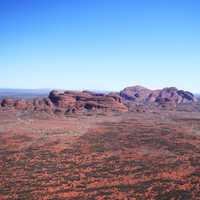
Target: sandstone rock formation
(62, 100)
(79, 101)
(37, 104)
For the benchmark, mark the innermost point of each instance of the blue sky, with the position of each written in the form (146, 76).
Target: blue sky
(100, 44)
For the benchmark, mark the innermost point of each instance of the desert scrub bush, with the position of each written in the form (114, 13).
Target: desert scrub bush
(98, 148)
(165, 130)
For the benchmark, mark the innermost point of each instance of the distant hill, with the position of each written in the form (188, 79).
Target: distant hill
(23, 93)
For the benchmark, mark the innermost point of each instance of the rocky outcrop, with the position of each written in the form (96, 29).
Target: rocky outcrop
(135, 93)
(62, 100)
(69, 102)
(43, 104)
(151, 98)
(166, 97)
(7, 102)
(173, 96)
(86, 101)
(21, 104)
(135, 98)
(187, 96)
(37, 104)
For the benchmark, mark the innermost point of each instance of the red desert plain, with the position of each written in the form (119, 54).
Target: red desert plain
(87, 146)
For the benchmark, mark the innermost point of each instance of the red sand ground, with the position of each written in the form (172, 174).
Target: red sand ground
(130, 156)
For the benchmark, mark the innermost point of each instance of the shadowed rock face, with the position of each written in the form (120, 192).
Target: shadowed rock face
(169, 96)
(187, 96)
(174, 96)
(135, 93)
(7, 102)
(62, 100)
(44, 104)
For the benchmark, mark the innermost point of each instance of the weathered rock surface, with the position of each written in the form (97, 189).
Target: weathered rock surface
(44, 104)
(135, 93)
(69, 102)
(62, 100)
(38, 104)
(7, 102)
(174, 97)
(166, 97)
(21, 104)
(86, 100)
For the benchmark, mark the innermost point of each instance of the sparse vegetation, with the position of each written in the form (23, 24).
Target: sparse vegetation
(126, 156)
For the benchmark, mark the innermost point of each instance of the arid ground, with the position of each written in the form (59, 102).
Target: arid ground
(118, 157)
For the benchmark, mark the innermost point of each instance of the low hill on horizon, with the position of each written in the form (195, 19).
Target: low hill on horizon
(23, 93)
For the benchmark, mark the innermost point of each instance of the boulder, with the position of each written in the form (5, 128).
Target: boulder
(43, 104)
(7, 102)
(21, 104)
(62, 100)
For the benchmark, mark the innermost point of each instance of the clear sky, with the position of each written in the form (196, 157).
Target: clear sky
(100, 44)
